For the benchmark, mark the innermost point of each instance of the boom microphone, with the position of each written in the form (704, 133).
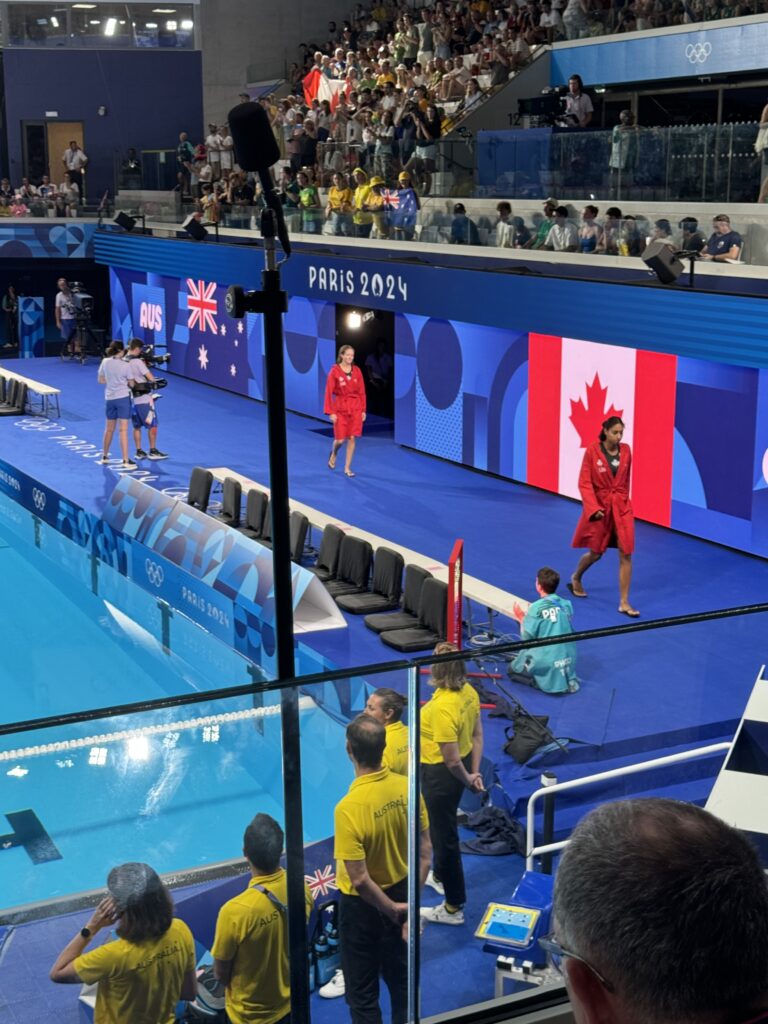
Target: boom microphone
(256, 149)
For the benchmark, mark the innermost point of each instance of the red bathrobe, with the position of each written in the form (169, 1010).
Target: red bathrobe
(602, 491)
(345, 396)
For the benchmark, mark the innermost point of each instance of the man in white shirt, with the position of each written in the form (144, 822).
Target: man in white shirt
(213, 143)
(227, 152)
(74, 161)
(578, 106)
(66, 320)
(551, 22)
(505, 227)
(563, 236)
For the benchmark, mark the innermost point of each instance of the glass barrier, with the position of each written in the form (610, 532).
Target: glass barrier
(176, 787)
(100, 25)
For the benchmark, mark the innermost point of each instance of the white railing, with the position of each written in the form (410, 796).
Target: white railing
(615, 773)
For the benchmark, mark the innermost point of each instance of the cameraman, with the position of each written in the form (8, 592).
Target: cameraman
(143, 411)
(66, 320)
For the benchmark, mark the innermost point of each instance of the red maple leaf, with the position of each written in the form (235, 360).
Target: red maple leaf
(588, 419)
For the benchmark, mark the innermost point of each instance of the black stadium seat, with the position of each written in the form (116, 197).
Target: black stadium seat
(299, 530)
(328, 555)
(354, 567)
(386, 587)
(230, 503)
(200, 484)
(430, 630)
(15, 406)
(409, 616)
(255, 507)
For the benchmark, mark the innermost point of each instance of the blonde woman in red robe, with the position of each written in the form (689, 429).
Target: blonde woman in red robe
(606, 518)
(345, 404)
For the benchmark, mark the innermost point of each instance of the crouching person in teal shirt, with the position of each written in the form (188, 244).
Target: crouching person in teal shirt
(553, 668)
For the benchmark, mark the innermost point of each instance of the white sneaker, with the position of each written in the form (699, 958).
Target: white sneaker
(127, 465)
(334, 988)
(435, 883)
(104, 460)
(439, 915)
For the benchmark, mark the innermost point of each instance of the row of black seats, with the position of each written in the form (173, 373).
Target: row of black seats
(344, 566)
(257, 524)
(13, 396)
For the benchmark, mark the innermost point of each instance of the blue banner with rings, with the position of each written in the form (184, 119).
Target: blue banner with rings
(720, 48)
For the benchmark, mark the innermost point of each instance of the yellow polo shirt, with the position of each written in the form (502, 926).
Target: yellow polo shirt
(253, 933)
(449, 717)
(139, 982)
(339, 199)
(360, 198)
(396, 751)
(371, 824)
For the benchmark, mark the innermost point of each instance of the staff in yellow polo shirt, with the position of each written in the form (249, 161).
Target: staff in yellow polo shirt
(371, 849)
(149, 967)
(250, 950)
(451, 750)
(387, 706)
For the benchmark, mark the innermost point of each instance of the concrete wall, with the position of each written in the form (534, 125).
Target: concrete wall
(241, 33)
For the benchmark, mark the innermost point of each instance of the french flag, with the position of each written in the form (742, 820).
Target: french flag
(318, 86)
(573, 386)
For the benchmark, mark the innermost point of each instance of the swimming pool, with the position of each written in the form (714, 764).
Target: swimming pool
(175, 788)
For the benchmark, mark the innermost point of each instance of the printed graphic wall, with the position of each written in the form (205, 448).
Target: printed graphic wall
(186, 317)
(525, 405)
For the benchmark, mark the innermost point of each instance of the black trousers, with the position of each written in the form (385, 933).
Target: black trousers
(442, 793)
(372, 946)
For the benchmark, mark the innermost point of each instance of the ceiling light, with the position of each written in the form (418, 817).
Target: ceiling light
(54, 21)
(109, 28)
(354, 321)
(95, 21)
(187, 25)
(163, 10)
(151, 24)
(171, 26)
(83, 7)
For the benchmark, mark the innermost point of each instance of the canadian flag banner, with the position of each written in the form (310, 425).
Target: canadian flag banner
(573, 386)
(318, 86)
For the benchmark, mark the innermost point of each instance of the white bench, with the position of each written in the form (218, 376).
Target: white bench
(49, 396)
(497, 601)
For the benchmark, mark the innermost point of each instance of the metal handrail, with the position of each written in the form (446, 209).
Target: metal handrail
(613, 773)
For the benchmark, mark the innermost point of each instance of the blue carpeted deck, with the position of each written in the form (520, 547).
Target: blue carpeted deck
(649, 693)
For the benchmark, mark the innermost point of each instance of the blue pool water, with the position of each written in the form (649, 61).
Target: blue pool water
(164, 787)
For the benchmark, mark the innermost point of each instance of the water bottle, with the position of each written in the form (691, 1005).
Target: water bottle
(323, 971)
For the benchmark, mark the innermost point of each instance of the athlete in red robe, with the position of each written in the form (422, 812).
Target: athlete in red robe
(345, 404)
(606, 518)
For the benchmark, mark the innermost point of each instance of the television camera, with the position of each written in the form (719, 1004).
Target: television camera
(547, 108)
(150, 359)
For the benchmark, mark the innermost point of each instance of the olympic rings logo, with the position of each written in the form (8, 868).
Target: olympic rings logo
(38, 498)
(697, 53)
(154, 572)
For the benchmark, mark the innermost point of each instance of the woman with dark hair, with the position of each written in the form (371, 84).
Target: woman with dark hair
(117, 376)
(606, 519)
(150, 966)
(345, 404)
(451, 751)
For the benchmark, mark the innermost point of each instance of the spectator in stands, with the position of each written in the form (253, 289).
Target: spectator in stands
(517, 49)
(67, 198)
(662, 232)
(361, 218)
(6, 192)
(546, 223)
(552, 22)
(504, 226)
(693, 240)
(624, 147)
(143, 973)
(403, 214)
(451, 753)
(463, 228)
(250, 949)
(308, 145)
(499, 64)
(563, 236)
(371, 846)
(472, 96)
(632, 242)
(213, 141)
(575, 19)
(551, 669)
(383, 157)
(590, 232)
(428, 130)
(185, 154)
(288, 189)
(227, 155)
(635, 876)
(339, 207)
(454, 80)
(578, 106)
(610, 238)
(75, 162)
(426, 42)
(521, 235)
(724, 243)
(240, 196)
(376, 205)
(309, 204)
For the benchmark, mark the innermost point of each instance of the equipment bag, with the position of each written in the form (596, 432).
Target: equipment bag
(526, 735)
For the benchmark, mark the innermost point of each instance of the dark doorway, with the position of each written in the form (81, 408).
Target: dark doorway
(371, 332)
(35, 154)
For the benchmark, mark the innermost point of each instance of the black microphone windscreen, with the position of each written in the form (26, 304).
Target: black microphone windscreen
(256, 148)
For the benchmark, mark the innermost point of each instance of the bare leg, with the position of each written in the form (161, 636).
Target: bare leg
(334, 453)
(152, 434)
(350, 452)
(137, 438)
(124, 439)
(625, 578)
(587, 559)
(109, 431)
